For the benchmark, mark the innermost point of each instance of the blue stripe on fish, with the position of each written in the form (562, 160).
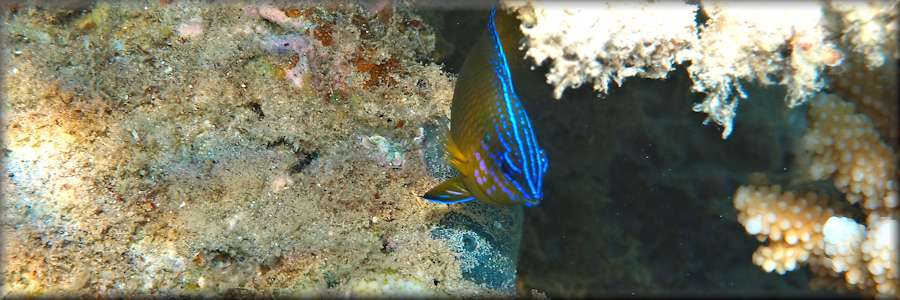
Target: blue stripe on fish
(509, 161)
(502, 140)
(464, 200)
(526, 152)
(508, 166)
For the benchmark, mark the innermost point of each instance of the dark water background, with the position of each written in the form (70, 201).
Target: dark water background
(638, 194)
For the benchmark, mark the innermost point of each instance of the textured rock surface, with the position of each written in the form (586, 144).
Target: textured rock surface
(174, 148)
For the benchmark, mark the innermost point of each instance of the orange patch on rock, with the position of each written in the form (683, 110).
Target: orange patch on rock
(292, 12)
(379, 74)
(322, 33)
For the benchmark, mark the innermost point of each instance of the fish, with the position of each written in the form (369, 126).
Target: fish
(492, 142)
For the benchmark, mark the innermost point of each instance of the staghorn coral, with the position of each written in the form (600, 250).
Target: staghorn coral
(845, 148)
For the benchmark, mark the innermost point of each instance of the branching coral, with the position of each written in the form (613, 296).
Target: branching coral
(805, 229)
(873, 90)
(868, 258)
(868, 75)
(843, 241)
(842, 146)
(846, 149)
(880, 253)
(792, 224)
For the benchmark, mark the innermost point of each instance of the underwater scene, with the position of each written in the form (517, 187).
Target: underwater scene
(462, 149)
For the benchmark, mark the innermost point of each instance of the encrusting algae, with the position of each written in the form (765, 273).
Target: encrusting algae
(173, 149)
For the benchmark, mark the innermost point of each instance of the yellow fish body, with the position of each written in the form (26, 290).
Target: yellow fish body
(492, 143)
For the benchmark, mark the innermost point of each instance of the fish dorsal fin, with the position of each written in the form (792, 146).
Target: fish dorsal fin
(452, 191)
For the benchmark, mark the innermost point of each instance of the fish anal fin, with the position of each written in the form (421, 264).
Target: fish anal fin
(455, 155)
(452, 191)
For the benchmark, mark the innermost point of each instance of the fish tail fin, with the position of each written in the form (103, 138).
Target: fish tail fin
(452, 191)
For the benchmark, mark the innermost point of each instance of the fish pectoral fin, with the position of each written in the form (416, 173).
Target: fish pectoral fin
(450, 192)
